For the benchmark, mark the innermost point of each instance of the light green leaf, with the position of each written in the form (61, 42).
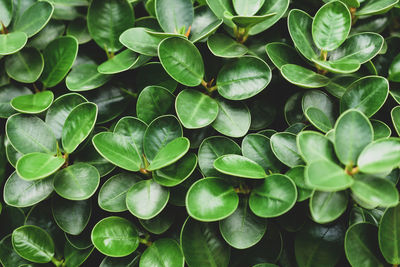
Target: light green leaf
(27, 166)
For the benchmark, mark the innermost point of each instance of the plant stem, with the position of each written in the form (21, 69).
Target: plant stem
(134, 95)
(208, 86)
(145, 241)
(35, 88)
(3, 28)
(57, 262)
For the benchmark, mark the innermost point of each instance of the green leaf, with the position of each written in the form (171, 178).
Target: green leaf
(74, 256)
(7, 93)
(27, 165)
(71, 216)
(326, 207)
(29, 134)
(239, 166)
(107, 20)
(170, 153)
(318, 119)
(78, 29)
(223, 46)
(320, 100)
(243, 78)
(327, 35)
(195, 109)
(112, 195)
(247, 8)
(33, 243)
(275, 196)
(327, 176)
(52, 30)
(6, 13)
(360, 47)
(233, 118)
(249, 21)
(381, 130)
(297, 175)
(353, 132)
(367, 95)
(85, 77)
(141, 41)
(375, 191)
(285, 149)
(117, 149)
(340, 66)
(22, 193)
(361, 245)
(160, 132)
(181, 60)
(25, 66)
(161, 223)
(205, 23)
(243, 229)
(121, 62)
(78, 125)
(202, 244)
(212, 148)
(315, 146)
(300, 24)
(152, 102)
(12, 42)
(211, 199)
(389, 237)
(115, 237)
(163, 252)
(33, 103)
(176, 173)
(173, 15)
(375, 7)
(59, 56)
(219, 8)
(59, 111)
(380, 156)
(8, 256)
(278, 7)
(258, 148)
(319, 245)
(77, 182)
(281, 54)
(303, 77)
(394, 70)
(395, 114)
(34, 18)
(146, 199)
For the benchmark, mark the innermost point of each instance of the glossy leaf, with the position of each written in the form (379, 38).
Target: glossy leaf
(278, 8)
(211, 199)
(146, 199)
(85, 77)
(243, 78)
(107, 20)
(239, 166)
(12, 42)
(25, 66)
(314, 146)
(224, 46)
(112, 195)
(33, 103)
(242, 229)
(6, 11)
(326, 207)
(329, 36)
(380, 156)
(77, 182)
(27, 165)
(58, 56)
(389, 237)
(282, 54)
(181, 59)
(152, 102)
(285, 149)
(163, 252)
(375, 7)
(115, 237)
(395, 114)
(7, 93)
(303, 77)
(78, 125)
(353, 132)
(195, 110)
(34, 18)
(170, 20)
(327, 176)
(170, 153)
(33, 243)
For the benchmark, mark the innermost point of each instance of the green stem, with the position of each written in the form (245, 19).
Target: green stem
(134, 95)
(208, 86)
(145, 241)
(56, 262)
(324, 55)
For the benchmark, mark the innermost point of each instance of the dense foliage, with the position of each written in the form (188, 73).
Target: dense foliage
(207, 133)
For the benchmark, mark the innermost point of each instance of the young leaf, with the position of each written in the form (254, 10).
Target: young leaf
(25, 66)
(303, 77)
(285, 149)
(33, 103)
(12, 42)
(163, 252)
(115, 236)
(223, 46)
(314, 146)
(170, 153)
